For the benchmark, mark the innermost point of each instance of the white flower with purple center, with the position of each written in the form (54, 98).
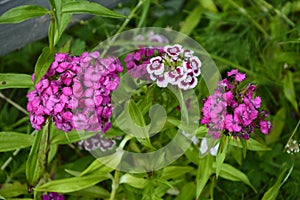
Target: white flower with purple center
(173, 51)
(175, 76)
(155, 66)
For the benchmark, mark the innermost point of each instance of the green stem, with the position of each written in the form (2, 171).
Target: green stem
(115, 185)
(51, 31)
(14, 104)
(294, 130)
(131, 15)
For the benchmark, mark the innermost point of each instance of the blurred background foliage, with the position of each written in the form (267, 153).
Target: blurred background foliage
(260, 38)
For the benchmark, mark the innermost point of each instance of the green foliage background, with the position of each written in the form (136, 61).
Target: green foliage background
(260, 38)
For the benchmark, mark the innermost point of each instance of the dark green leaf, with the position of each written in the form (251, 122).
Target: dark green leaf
(278, 124)
(43, 64)
(252, 145)
(36, 162)
(175, 171)
(289, 91)
(15, 81)
(13, 189)
(10, 141)
(22, 13)
(92, 192)
(272, 193)
(192, 20)
(230, 173)
(89, 8)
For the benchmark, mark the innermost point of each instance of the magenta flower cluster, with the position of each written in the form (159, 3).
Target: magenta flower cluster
(75, 93)
(172, 65)
(232, 111)
(53, 196)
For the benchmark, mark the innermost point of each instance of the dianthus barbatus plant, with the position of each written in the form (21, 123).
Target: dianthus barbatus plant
(170, 64)
(75, 93)
(234, 111)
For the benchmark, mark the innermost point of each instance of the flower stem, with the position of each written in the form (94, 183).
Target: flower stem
(115, 185)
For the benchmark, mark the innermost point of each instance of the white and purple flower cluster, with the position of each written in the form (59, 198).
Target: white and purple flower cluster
(75, 92)
(98, 141)
(230, 110)
(173, 65)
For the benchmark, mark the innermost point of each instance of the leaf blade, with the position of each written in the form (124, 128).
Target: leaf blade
(11, 80)
(22, 13)
(89, 8)
(12, 140)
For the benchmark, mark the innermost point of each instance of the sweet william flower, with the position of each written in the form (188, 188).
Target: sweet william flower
(232, 111)
(72, 90)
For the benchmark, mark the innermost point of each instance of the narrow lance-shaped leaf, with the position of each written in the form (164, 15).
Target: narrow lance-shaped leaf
(230, 173)
(205, 170)
(72, 184)
(15, 81)
(289, 90)
(10, 141)
(35, 164)
(133, 181)
(89, 8)
(43, 64)
(272, 193)
(22, 13)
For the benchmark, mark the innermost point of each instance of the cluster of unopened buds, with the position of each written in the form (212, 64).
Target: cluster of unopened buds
(75, 93)
(171, 64)
(232, 111)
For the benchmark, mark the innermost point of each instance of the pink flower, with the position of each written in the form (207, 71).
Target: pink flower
(265, 126)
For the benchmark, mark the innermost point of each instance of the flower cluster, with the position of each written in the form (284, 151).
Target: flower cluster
(53, 196)
(137, 61)
(98, 141)
(75, 92)
(292, 147)
(173, 65)
(152, 37)
(230, 110)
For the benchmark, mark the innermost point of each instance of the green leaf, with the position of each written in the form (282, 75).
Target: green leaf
(42, 65)
(272, 193)
(89, 8)
(22, 13)
(205, 170)
(92, 192)
(133, 181)
(175, 171)
(192, 20)
(252, 145)
(10, 141)
(36, 161)
(278, 124)
(209, 5)
(15, 81)
(60, 137)
(221, 154)
(187, 192)
(289, 91)
(72, 184)
(231, 173)
(13, 189)
(104, 164)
